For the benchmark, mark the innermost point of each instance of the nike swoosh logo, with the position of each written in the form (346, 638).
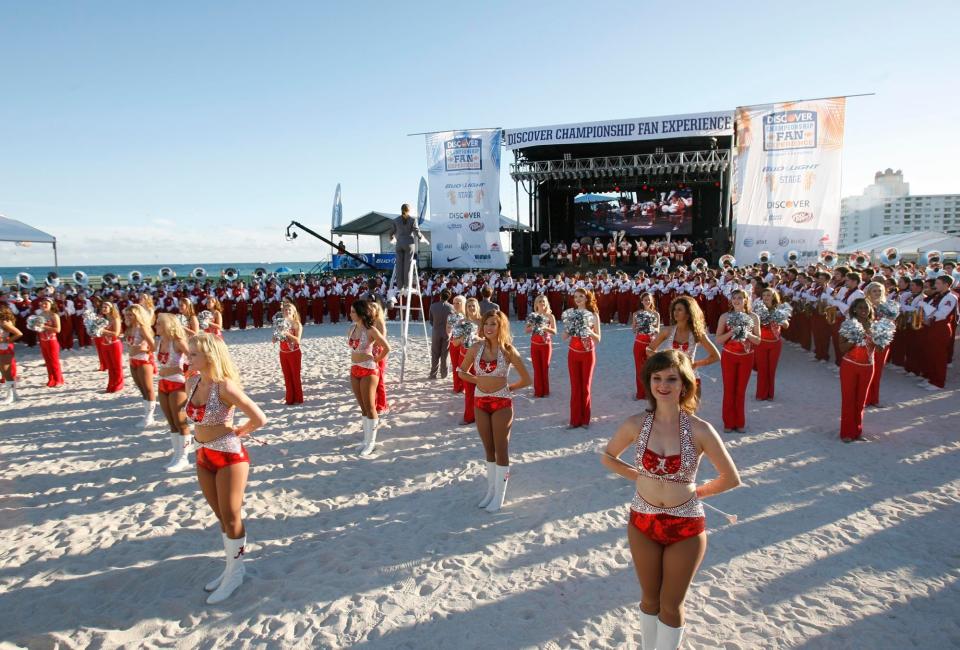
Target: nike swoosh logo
(450, 259)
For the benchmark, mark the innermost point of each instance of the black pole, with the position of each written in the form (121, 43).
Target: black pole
(328, 242)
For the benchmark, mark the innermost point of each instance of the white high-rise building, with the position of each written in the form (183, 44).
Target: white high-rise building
(886, 208)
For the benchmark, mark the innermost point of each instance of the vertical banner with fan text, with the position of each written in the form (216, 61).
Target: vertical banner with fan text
(463, 168)
(786, 179)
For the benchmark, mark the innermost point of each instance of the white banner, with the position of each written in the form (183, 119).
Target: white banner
(786, 179)
(644, 128)
(463, 168)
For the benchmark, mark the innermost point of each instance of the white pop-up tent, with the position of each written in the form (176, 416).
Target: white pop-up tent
(18, 232)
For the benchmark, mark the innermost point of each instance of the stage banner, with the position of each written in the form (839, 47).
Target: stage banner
(380, 260)
(463, 170)
(786, 179)
(639, 128)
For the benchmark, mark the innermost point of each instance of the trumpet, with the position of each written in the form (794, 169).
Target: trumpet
(81, 278)
(828, 259)
(860, 260)
(890, 256)
(793, 257)
(110, 279)
(930, 257)
(727, 261)
(166, 274)
(699, 265)
(134, 277)
(830, 314)
(230, 274)
(52, 280)
(198, 273)
(763, 257)
(260, 273)
(916, 321)
(25, 280)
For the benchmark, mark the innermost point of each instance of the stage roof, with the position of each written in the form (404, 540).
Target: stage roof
(377, 223)
(908, 243)
(12, 230)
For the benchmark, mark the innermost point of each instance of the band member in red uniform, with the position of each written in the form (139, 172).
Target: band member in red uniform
(941, 321)
(522, 288)
(113, 346)
(171, 388)
(49, 345)
(769, 349)
(856, 370)
(581, 360)
(214, 394)
(486, 365)
(226, 300)
(290, 355)
(65, 309)
(738, 341)
(456, 350)
(140, 342)
(80, 304)
(302, 297)
(8, 363)
(240, 306)
(667, 527)
(256, 304)
(541, 346)
(364, 371)
(334, 294)
(317, 301)
(645, 325)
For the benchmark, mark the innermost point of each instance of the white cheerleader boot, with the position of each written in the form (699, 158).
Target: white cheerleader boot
(11, 394)
(500, 488)
(233, 575)
(668, 638)
(648, 631)
(173, 449)
(491, 484)
(180, 461)
(369, 438)
(213, 584)
(148, 409)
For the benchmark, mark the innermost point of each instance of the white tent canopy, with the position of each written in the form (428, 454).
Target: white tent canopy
(909, 243)
(17, 231)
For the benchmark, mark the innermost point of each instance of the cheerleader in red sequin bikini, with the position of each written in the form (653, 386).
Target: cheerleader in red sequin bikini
(645, 323)
(139, 340)
(8, 363)
(364, 368)
(485, 366)
(686, 332)
(223, 464)
(666, 526)
(171, 388)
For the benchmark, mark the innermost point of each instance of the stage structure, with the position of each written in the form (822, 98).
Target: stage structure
(661, 175)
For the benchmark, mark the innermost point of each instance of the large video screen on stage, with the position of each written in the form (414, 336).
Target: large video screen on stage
(639, 214)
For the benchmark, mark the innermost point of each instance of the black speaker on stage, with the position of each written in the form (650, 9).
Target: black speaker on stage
(521, 242)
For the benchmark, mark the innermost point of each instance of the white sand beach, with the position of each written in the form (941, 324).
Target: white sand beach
(838, 546)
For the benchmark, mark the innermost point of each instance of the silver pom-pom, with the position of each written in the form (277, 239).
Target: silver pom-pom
(646, 321)
(853, 331)
(465, 330)
(184, 321)
(760, 309)
(36, 322)
(577, 322)
(882, 332)
(205, 318)
(94, 324)
(281, 326)
(889, 309)
(781, 313)
(537, 322)
(740, 324)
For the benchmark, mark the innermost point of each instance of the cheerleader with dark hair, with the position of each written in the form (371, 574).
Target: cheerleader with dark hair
(364, 368)
(49, 345)
(645, 323)
(8, 363)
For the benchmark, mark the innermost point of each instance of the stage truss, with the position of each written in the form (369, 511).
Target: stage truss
(647, 164)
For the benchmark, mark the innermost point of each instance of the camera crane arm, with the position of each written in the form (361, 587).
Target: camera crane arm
(292, 234)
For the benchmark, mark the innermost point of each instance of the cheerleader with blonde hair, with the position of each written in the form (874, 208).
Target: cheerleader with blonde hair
(140, 344)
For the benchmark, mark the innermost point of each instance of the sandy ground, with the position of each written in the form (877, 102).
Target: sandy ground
(838, 546)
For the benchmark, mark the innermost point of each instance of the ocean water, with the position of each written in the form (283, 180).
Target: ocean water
(151, 270)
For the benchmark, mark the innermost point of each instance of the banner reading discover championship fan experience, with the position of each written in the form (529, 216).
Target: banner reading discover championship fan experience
(464, 174)
(786, 185)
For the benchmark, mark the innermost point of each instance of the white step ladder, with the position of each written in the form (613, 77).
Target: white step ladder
(411, 289)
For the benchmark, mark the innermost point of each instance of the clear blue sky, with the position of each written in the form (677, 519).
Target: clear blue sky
(194, 131)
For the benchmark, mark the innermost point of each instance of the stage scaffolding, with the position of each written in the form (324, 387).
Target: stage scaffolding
(647, 164)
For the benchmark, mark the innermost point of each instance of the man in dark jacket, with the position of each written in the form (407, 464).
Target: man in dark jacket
(439, 339)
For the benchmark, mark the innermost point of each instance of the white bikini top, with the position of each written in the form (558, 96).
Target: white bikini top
(362, 344)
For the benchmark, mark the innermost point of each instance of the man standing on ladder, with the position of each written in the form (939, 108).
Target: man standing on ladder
(405, 233)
